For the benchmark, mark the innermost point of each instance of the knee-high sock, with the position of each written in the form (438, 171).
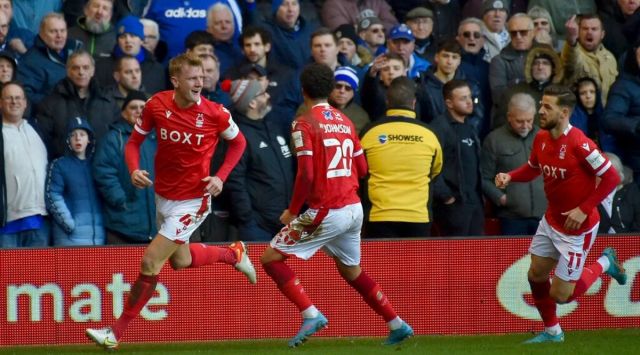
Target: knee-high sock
(202, 254)
(141, 292)
(288, 284)
(589, 275)
(544, 303)
(372, 294)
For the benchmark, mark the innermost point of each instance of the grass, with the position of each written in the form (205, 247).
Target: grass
(609, 341)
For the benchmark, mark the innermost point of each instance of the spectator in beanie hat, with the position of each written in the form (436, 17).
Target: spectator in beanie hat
(130, 35)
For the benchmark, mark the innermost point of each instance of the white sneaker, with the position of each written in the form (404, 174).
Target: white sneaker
(103, 337)
(244, 264)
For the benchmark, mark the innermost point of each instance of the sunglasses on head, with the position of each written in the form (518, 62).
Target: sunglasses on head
(343, 86)
(468, 34)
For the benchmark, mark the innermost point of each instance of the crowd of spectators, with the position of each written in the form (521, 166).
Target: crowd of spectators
(75, 75)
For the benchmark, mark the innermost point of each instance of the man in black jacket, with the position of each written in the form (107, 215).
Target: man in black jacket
(260, 185)
(458, 208)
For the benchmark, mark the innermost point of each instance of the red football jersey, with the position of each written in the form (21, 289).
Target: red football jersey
(329, 136)
(569, 166)
(186, 141)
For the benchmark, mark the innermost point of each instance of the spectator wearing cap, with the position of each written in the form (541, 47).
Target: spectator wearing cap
(260, 185)
(130, 34)
(446, 68)
(129, 212)
(71, 194)
(128, 77)
(561, 11)
(290, 33)
(337, 12)
(257, 46)
(415, 163)
(583, 53)
(507, 68)
(211, 88)
(401, 41)
(494, 16)
(220, 24)
(76, 95)
(43, 66)
(420, 20)
(349, 50)
(372, 35)
(8, 67)
(176, 20)
(545, 33)
(543, 67)
(343, 95)
(94, 29)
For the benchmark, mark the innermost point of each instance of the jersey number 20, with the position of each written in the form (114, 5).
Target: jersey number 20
(340, 164)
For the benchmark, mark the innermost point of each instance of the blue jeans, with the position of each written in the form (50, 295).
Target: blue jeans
(28, 238)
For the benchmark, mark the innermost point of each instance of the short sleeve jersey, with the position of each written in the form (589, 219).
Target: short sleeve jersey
(569, 166)
(329, 136)
(186, 141)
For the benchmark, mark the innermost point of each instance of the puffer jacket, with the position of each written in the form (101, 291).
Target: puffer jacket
(72, 198)
(129, 211)
(41, 69)
(622, 114)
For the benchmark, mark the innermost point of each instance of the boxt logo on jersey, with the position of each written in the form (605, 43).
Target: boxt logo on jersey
(183, 12)
(181, 137)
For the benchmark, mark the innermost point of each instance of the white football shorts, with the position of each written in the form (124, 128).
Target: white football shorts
(570, 250)
(336, 231)
(177, 220)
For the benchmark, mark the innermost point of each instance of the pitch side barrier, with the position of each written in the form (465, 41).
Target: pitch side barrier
(440, 286)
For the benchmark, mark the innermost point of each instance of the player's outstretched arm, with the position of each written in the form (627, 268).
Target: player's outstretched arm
(502, 180)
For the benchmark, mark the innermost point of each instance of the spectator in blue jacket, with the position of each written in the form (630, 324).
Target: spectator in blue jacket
(622, 114)
(129, 212)
(403, 42)
(43, 66)
(71, 196)
(20, 37)
(220, 24)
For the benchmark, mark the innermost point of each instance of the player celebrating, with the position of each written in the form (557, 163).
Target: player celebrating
(187, 126)
(330, 161)
(570, 163)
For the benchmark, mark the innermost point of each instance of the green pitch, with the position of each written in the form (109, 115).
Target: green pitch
(605, 342)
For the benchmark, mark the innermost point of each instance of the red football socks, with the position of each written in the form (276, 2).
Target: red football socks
(141, 292)
(372, 294)
(589, 275)
(544, 303)
(202, 254)
(288, 284)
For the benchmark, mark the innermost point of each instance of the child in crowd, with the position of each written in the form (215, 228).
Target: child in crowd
(587, 114)
(71, 195)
